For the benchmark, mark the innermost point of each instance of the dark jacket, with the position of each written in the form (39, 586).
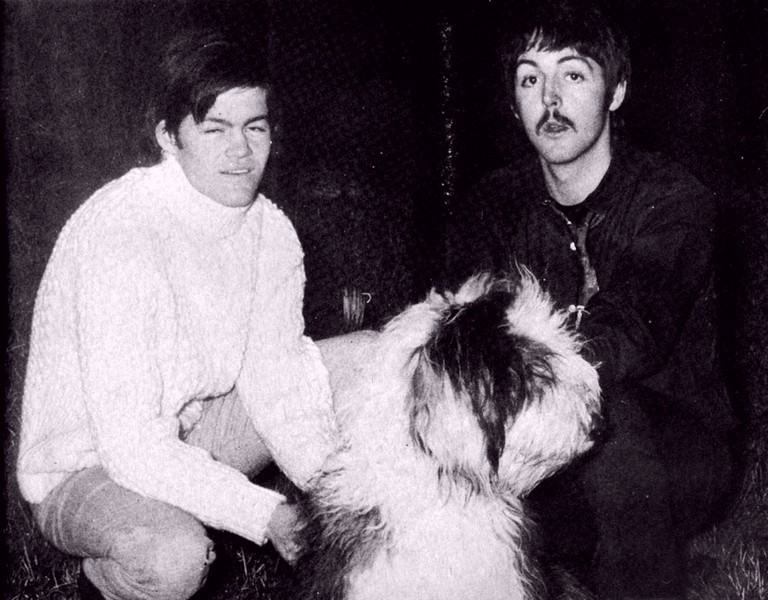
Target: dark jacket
(648, 240)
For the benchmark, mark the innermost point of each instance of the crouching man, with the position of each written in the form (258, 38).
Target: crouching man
(623, 240)
(167, 358)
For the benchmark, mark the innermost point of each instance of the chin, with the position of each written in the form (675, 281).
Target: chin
(563, 156)
(237, 198)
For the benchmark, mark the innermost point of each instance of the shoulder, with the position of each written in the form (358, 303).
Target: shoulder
(654, 191)
(115, 222)
(114, 204)
(657, 178)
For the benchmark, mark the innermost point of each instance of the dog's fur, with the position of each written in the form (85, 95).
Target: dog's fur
(456, 410)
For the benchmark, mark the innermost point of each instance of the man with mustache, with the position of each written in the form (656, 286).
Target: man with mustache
(622, 239)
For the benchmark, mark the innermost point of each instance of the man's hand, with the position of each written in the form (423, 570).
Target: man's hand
(282, 531)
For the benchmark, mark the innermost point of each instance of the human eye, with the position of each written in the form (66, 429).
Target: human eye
(575, 76)
(527, 80)
(258, 127)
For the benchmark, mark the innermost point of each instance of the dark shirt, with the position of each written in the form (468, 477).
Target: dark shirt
(646, 237)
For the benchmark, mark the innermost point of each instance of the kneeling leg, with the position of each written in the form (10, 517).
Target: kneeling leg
(134, 548)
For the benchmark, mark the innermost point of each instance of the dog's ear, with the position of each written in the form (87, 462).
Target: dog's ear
(473, 348)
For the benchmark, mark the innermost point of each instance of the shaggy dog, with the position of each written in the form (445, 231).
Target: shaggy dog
(456, 410)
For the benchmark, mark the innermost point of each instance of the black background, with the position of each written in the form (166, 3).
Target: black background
(387, 112)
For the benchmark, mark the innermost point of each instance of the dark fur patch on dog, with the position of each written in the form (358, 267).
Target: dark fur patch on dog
(337, 543)
(498, 370)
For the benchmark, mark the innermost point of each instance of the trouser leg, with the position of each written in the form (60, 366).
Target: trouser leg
(227, 432)
(623, 514)
(638, 549)
(701, 469)
(134, 548)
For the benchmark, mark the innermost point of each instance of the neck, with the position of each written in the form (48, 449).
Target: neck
(570, 183)
(193, 208)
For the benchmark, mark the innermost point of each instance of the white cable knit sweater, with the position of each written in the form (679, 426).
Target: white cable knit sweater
(154, 299)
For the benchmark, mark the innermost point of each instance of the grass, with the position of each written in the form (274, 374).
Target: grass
(240, 571)
(730, 561)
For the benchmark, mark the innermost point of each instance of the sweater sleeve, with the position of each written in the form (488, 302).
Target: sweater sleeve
(284, 384)
(138, 444)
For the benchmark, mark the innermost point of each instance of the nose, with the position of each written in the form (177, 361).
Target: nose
(238, 146)
(550, 94)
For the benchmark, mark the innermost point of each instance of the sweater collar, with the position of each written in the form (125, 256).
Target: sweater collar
(194, 209)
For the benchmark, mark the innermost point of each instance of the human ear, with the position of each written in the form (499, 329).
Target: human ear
(513, 104)
(618, 96)
(165, 140)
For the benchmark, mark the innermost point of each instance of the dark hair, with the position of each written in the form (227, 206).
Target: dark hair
(584, 25)
(197, 66)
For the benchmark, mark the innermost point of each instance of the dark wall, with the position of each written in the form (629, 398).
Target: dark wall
(357, 147)
(387, 113)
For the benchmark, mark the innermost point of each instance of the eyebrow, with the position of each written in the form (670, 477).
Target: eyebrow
(220, 121)
(528, 61)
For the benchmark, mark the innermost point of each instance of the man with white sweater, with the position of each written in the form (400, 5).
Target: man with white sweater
(167, 360)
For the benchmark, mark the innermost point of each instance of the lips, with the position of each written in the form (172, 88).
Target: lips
(553, 128)
(241, 171)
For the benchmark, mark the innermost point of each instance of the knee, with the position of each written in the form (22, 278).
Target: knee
(166, 565)
(626, 482)
(180, 565)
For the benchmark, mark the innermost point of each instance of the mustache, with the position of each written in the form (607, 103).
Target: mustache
(555, 116)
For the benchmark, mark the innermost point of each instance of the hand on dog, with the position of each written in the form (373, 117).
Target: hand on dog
(283, 529)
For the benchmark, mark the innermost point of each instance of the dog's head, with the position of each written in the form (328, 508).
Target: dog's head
(498, 390)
